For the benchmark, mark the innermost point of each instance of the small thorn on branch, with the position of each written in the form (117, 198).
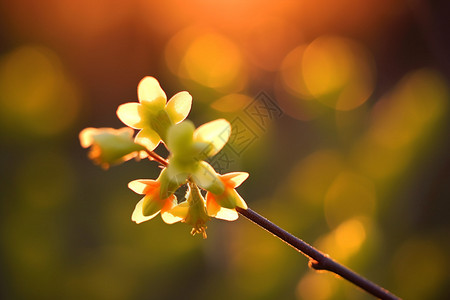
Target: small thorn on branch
(317, 259)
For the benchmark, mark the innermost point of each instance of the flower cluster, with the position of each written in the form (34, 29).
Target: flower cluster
(162, 121)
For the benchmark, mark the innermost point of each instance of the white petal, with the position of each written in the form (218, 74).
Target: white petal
(128, 113)
(179, 106)
(138, 216)
(215, 133)
(150, 92)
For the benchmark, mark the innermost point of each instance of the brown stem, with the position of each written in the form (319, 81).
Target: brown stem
(318, 260)
(157, 158)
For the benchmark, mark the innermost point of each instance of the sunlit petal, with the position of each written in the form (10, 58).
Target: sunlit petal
(212, 207)
(240, 202)
(206, 177)
(227, 214)
(110, 146)
(86, 136)
(128, 113)
(179, 137)
(125, 132)
(176, 214)
(151, 93)
(152, 204)
(179, 106)
(169, 203)
(148, 138)
(168, 218)
(142, 186)
(235, 178)
(138, 216)
(215, 133)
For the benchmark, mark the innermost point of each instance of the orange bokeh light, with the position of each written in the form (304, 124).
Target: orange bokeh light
(207, 58)
(336, 71)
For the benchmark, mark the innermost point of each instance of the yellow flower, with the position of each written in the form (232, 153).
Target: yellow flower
(189, 148)
(222, 206)
(192, 211)
(152, 114)
(110, 146)
(152, 203)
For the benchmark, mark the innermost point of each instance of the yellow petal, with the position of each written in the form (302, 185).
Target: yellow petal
(138, 216)
(151, 93)
(141, 186)
(124, 132)
(176, 214)
(239, 201)
(206, 177)
(148, 138)
(179, 137)
(227, 214)
(128, 113)
(179, 106)
(86, 136)
(236, 178)
(212, 207)
(215, 134)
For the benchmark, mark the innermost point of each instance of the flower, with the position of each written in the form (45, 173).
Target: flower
(110, 146)
(192, 211)
(152, 114)
(153, 202)
(189, 148)
(222, 205)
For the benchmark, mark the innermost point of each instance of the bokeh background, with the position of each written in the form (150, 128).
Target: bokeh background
(340, 112)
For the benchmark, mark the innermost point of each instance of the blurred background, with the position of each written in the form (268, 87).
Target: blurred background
(340, 113)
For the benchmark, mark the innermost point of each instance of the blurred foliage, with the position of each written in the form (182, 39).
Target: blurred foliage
(340, 114)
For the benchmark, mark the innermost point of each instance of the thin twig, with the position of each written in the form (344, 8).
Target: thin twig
(157, 158)
(318, 260)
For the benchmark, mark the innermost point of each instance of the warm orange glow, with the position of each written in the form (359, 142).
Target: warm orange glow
(231, 103)
(316, 286)
(352, 191)
(207, 58)
(338, 72)
(350, 235)
(314, 174)
(292, 74)
(343, 157)
(347, 238)
(37, 97)
(268, 39)
(212, 60)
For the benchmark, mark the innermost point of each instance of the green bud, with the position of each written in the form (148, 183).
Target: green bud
(197, 216)
(151, 205)
(206, 177)
(110, 146)
(161, 123)
(179, 138)
(169, 184)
